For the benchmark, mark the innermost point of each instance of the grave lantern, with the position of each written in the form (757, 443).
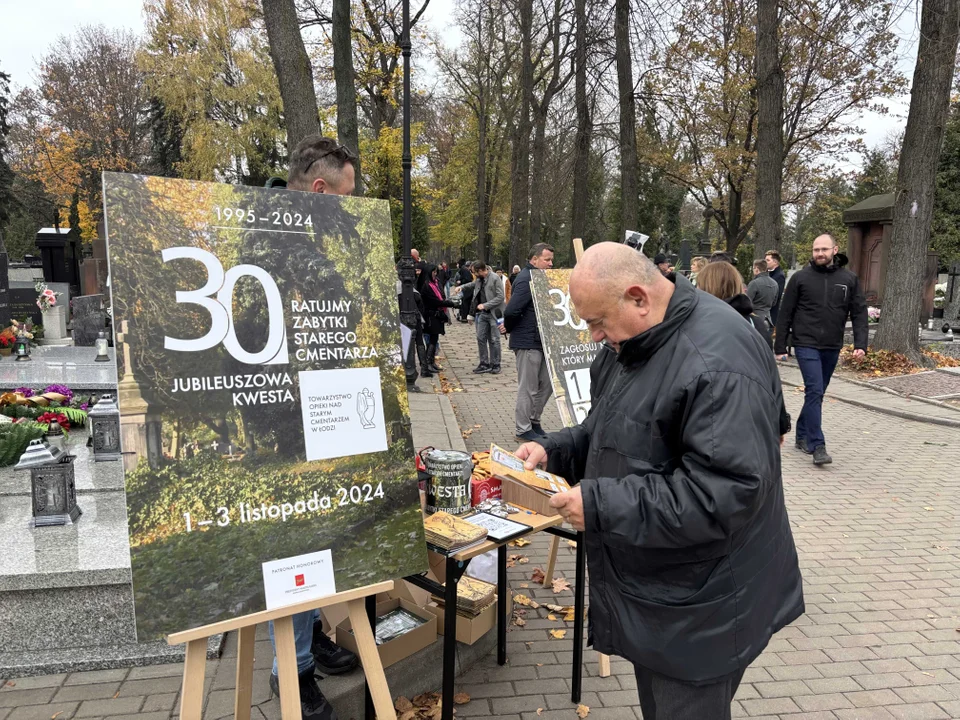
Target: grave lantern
(53, 489)
(54, 435)
(101, 343)
(104, 418)
(21, 348)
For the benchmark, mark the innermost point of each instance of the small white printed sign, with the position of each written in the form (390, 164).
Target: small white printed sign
(298, 579)
(342, 412)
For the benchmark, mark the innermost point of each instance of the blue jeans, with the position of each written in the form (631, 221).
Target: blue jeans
(817, 368)
(302, 638)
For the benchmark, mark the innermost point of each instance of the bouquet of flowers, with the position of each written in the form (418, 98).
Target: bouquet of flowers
(873, 314)
(20, 330)
(48, 298)
(62, 420)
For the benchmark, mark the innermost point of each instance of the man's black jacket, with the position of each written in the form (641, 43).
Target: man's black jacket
(692, 561)
(520, 316)
(815, 307)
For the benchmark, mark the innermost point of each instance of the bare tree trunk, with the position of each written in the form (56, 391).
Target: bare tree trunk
(581, 158)
(769, 130)
(916, 178)
(520, 191)
(345, 79)
(629, 200)
(482, 156)
(537, 180)
(293, 70)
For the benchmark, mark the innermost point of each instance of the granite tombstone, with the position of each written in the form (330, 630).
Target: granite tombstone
(89, 319)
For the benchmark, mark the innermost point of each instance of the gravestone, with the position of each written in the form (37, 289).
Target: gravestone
(4, 285)
(23, 299)
(89, 319)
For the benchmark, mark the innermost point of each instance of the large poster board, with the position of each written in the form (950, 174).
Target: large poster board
(262, 393)
(567, 345)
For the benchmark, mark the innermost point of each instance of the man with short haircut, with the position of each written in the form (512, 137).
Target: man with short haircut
(488, 297)
(322, 165)
(776, 273)
(814, 312)
(679, 489)
(520, 320)
(763, 292)
(662, 264)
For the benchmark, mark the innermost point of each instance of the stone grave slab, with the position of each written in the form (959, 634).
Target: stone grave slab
(89, 319)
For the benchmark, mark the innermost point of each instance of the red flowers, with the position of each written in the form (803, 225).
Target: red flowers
(60, 418)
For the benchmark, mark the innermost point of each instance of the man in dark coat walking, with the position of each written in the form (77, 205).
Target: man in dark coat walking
(776, 273)
(464, 277)
(520, 320)
(813, 314)
(691, 557)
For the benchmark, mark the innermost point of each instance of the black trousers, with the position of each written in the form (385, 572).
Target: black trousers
(663, 698)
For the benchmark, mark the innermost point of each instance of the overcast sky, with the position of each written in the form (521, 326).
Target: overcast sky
(29, 28)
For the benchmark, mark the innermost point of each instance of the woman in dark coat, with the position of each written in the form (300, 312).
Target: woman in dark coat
(434, 317)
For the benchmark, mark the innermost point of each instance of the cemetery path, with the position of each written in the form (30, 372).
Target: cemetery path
(878, 541)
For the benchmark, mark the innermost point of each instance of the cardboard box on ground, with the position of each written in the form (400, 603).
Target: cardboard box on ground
(403, 646)
(469, 630)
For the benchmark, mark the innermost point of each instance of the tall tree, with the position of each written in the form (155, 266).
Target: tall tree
(916, 177)
(769, 129)
(520, 165)
(581, 157)
(946, 207)
(293, 70)
(628, 120)
(344, 76)
(7, 200)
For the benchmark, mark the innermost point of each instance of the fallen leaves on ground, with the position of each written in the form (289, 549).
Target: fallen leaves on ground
(560, 584)
(466, 433)
(524, 585)
(582, 711)
(524, 560)
(538, 576)
(402, 704)
(521, 599)
(520, 542)
(461, 699)
(539, 711)
(884, 363)
(551, 616)
(572, 543)
(558, 634)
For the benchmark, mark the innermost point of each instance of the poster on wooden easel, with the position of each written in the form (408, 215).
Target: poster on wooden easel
(264, 415)
(567, 346)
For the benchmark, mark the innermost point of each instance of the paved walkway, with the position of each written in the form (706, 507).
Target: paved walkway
(878, 538)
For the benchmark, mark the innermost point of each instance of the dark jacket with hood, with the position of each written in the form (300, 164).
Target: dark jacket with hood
(692, 561)
(434, 316)
(815, 307)
(520, 317)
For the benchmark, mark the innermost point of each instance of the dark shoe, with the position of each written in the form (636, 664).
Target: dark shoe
(820, 456)
(434, 368)
(313, 705)
(424, 372)
(538, 429)
(495, 370)
(331, 659)
(530, 436)
(413, 389)
(802, 446)
(481, 368)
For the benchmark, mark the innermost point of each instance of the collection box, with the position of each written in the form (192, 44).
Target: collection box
(395, 650)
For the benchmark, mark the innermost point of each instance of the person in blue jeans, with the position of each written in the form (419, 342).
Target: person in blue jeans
(322, 165)
(813, 314)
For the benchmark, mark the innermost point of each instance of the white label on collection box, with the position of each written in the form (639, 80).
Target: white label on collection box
(342, 412)
(298, 579)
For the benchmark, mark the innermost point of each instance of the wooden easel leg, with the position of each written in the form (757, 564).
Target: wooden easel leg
(244, 695)
(370, 659)
(287, 668)
(194, 668)
(604, 661)
(551, 560)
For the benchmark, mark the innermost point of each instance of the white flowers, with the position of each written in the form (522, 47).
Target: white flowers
(48, 298)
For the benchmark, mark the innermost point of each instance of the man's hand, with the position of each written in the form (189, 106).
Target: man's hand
(456, 290)
(533, 453)
(480, 307)
(570, 505)
(782, 357)
(858, 354)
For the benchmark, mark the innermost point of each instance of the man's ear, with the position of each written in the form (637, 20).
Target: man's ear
(637, 294)
(319, 185)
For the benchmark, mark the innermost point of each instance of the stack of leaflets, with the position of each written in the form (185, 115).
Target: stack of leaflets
(473, 596)
(449, 533)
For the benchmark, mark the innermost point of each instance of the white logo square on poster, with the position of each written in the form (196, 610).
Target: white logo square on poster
(342, 412)
(298, 579)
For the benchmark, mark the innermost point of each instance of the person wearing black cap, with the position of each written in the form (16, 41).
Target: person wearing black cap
(662, 264)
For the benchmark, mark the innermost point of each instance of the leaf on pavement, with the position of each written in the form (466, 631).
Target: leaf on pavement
(572, 543)
(520, 599)
(582, 711)
(560, 584)
(402, 704)
(461, 699)
(538, 576)
(558, 634)
(539, 711)
(520, 542)
(551, 616)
